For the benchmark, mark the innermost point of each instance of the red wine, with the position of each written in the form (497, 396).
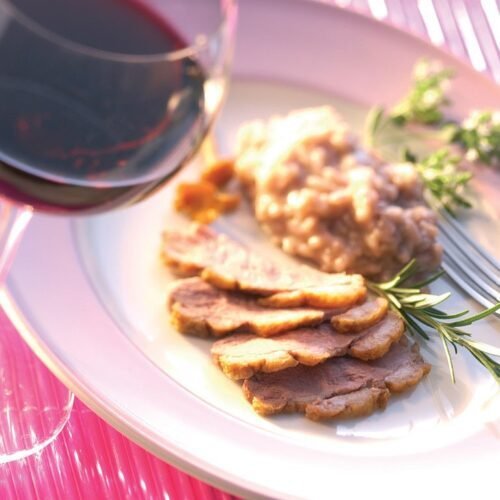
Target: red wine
(92, 113)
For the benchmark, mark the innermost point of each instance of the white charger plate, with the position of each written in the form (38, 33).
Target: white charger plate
(88, 295)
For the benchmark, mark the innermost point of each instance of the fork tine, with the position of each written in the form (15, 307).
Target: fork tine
(470, 267)
(468, 274)
(455, 232)
(460, 256)
(467, 287)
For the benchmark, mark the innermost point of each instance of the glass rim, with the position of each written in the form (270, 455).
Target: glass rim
(201, 42)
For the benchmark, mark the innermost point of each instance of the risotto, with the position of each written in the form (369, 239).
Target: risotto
(323, 198)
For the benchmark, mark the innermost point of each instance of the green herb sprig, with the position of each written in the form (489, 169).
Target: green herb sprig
(440, 171)
(479, 136)
(444, 179)
(420, 312)
(425, 101)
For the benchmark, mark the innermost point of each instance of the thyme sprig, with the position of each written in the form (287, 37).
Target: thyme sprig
(426, 99)
(479, 136)
(420, 312)
(444, 179)
(441, 171)
(424, 106)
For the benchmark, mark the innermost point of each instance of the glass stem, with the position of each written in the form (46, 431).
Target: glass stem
(34, 405)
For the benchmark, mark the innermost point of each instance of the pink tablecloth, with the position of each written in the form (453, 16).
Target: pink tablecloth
(92, 460)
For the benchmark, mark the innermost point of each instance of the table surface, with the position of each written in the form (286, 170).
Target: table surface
(90, 459)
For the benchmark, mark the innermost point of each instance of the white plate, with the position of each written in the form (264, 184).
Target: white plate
(89, 297)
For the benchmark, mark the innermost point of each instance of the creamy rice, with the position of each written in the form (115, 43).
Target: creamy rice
(321, 197)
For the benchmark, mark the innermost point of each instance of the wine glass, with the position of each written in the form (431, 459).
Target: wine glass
(102, 101)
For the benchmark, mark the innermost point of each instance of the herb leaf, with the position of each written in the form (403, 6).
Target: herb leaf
(479, 135)
(425, 101)
(374, 122)
(444, 179)
(419, 309)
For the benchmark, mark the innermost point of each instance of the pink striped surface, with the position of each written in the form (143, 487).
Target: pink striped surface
(90, 459)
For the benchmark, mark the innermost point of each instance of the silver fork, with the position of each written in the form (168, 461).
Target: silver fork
(469, 265)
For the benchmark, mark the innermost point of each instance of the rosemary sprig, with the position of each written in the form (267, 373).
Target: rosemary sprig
(420, 312)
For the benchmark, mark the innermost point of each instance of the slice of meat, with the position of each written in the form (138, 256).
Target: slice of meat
(362, 316)
(228, 265)
(200, 309)
(188, 252)
(242, 355)
(337, 388)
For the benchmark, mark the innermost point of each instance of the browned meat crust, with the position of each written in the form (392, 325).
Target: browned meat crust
(360, 317)
(198, 308)
(360, 403)
(337, 388)
(242, 355)
(343, 294)
(228, 265)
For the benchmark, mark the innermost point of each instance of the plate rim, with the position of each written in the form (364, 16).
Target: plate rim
(54, 364)
(200, 471)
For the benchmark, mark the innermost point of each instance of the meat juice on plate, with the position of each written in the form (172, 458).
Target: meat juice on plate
(93, 113)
